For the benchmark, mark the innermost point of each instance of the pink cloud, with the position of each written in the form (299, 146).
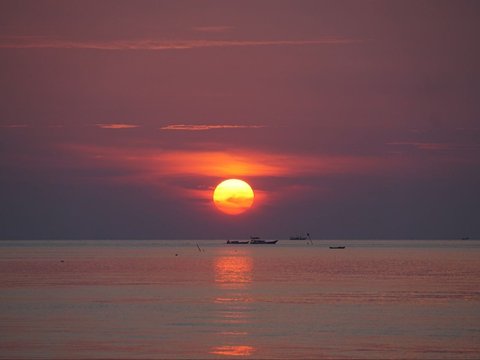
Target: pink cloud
(116, 126)
(183, 127)
(32, 42)
(14, 126)
(212, 29)
(434, 146)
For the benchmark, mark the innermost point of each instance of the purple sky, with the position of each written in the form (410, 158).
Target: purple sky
(350, 119)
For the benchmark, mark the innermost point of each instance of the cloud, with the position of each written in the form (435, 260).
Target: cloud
(156, 164)
(212, 29)
(38, 42)
(204, 127)
(116, 126)
(192, 174)
(14, 126)
(436, 146)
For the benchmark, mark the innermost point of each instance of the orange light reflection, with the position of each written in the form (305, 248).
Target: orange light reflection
(233, 271)
(233, 350)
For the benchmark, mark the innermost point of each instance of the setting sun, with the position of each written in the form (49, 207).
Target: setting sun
(233, 196)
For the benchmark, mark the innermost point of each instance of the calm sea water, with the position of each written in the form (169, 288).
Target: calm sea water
(168, 299)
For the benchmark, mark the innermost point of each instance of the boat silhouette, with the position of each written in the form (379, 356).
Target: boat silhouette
(237, 242)
(255, 240)
(298, 237)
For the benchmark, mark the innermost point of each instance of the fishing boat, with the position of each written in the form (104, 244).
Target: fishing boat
(260, 241)
(237, 242)
(337, 247)
(298, 237)
(256, 241)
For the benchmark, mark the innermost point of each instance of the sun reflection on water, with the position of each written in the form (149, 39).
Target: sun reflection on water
(234, 275)
(233, 350)
(234, 271)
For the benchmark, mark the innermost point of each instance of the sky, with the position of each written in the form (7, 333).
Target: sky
(349, 119)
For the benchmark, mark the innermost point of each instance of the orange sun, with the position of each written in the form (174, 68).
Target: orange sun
(233, 196)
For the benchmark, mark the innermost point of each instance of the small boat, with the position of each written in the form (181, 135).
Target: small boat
(337, 247)
(465, 238)
(298, 237)
(256, 241)
(237, 242)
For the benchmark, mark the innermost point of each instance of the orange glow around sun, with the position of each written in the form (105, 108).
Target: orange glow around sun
(233, 196)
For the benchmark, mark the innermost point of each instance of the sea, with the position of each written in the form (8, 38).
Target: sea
(188, 299)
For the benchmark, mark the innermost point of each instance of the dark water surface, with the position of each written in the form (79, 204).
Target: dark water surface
(166, 299)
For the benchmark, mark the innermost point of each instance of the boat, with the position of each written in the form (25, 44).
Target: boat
(298, 237)
(260, 241)
(465, 238)
(256, 241)
(337, 247)
(237, 242)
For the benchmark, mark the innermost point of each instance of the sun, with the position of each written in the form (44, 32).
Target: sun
(233, 196)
